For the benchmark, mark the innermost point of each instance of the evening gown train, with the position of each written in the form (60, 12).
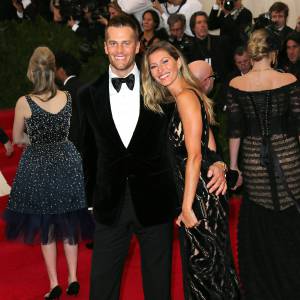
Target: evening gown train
(47, 200)
(206, 253)
(268, 123)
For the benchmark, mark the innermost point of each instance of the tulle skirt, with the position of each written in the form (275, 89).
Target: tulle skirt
(70, 227)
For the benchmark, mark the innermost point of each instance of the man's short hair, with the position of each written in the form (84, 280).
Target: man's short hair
(176, 18)
(194, 17)
(279, 7)
(68, 62)
(240, 51)
(123, 21)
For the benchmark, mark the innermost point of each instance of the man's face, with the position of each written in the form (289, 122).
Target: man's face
(278, 18)
(293, 51)
(121, 46)
(177, 30)
(201, 27)
(243, 62)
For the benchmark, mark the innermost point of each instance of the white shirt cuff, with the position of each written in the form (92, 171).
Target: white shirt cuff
(216, 7)
(20, 14)
(75, 27)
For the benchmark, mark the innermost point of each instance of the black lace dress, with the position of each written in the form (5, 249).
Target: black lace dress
(47, 200)
(206, 255)
(268, 123)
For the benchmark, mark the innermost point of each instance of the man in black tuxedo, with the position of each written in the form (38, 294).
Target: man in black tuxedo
(232, 23)
(67, 72)
(133, 185)
(216, 50)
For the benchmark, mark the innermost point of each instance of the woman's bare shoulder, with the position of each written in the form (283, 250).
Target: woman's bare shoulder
(236, 82)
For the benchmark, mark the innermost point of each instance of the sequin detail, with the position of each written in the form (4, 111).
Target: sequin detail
(48, 186)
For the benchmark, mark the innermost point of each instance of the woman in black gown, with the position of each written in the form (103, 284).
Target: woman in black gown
(47, 200)
(264, 116)
(205, 251)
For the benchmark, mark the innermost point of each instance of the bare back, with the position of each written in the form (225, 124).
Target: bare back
(262, 81)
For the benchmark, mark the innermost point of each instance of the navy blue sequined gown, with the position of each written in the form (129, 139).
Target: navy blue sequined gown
(206, 253)
(47, 200)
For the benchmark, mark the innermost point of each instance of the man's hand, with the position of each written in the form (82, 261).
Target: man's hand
(239, 181)
(217, 183)
(157, 6)
(71, 22)
(18, 6)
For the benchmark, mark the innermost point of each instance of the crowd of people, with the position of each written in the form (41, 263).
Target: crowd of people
(137, 145)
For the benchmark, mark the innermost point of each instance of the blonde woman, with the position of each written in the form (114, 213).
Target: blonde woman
(47, 200)
(203, 219)
(264, 114)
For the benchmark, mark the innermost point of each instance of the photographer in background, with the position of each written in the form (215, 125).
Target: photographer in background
(30, 9)
(278, 13)
(172, 7)
(292, 49)
(216, 50)
(85, 21)
(179, 39)
(232, 18)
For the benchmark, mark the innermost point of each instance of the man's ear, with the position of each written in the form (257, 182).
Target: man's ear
(137, 49)
(105, 48)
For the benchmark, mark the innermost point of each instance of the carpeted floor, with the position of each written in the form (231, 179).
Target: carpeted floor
(22, 271)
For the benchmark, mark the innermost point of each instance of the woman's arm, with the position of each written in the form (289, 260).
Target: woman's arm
(21, 111)
(190, 114)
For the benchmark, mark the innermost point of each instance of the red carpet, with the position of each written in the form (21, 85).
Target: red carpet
(22, 271)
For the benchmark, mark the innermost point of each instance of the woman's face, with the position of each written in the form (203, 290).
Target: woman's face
(148, 22)
(163, 67)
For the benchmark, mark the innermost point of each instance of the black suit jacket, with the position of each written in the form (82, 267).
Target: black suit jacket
(72, 86)
(233, 28)
(145, 164)
(218, 49)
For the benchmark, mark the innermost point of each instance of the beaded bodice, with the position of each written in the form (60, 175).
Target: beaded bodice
(44, 127)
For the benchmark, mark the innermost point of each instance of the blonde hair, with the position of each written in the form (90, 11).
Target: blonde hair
(41, 72)
(156, 94)
(259, 45)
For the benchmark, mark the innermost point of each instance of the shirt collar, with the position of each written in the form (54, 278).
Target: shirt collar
(65, 82)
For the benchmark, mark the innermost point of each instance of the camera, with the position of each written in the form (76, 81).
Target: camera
(69, 9)
(228, 4)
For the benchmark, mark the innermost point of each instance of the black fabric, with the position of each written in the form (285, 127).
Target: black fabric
(72, 86)
(283, 125)
(268, 249)
(209, 49)
(3, 137)
(206, 256)
(108, 164)
(117, 82)
(111, 244)
(233, 28)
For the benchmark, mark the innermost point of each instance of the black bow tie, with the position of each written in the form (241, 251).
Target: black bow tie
(117, 82)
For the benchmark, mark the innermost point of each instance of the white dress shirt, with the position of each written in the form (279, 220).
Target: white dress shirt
(125, 106)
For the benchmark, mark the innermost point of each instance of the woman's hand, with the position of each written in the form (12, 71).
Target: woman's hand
(188, 218)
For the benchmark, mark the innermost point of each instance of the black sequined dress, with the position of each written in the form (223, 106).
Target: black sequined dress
(206, 254)
(268, 124)
(47, 200)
